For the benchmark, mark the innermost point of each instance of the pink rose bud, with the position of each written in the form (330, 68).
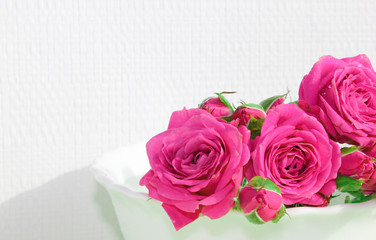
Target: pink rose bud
(357, 165)
(360, 166)
(261, 201)
(217, 106)
(244, 113)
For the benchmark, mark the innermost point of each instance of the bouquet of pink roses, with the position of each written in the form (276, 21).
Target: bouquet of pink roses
(263, 158)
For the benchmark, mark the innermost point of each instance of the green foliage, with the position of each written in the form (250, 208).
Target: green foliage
(348, 150)
(348, 184)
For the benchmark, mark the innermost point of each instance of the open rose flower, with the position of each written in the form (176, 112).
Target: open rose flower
(341, 93)
(196, 166)
(295, 152)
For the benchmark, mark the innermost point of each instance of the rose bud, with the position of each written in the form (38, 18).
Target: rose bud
(357, 165)
(246, 112)
(261, 202)
(217, 106)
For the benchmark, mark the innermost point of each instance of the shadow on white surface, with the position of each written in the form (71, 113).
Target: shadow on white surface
(72, 206)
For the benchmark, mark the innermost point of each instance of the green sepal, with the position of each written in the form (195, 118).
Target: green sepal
(255, 125)
(237, 206)
(270, 185)
(348, 150)
(204, 101)
(227, 119)
(244, 182)
(348, 184)
(253, 217)
(267, 103)
(280, 214)
(252, 105)
(224, 100)
(258, 183)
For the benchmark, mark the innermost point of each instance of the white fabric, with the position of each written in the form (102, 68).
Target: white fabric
(80, 78)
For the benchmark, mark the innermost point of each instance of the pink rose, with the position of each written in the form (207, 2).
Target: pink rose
(217, 106)
(295, 152)
(261, 204)
(243, 114)
(357, 165)
(360, 166)
(196, 166)
(341, 93)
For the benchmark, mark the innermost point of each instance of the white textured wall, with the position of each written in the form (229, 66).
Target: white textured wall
(79, 78)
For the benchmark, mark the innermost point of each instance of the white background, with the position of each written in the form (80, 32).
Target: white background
(80, 78)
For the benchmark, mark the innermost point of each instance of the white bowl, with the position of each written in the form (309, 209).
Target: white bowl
(143, 218)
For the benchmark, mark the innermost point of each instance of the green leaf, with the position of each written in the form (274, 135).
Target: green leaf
(253, 217)
(280, 214)
(362, 198)
(348, 184)
(267, 103)
(357, 194)
(348, 150)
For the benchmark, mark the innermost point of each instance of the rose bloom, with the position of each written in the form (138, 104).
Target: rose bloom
(196, 166)
(295, 152)
(341, 93)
